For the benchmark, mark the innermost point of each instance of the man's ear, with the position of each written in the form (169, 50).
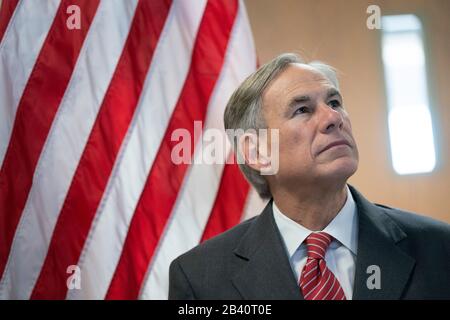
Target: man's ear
(249, 147)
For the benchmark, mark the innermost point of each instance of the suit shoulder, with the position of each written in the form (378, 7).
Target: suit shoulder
(218, 245)
(416, 223)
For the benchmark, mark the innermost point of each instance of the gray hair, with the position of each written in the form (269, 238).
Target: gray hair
(243, 110)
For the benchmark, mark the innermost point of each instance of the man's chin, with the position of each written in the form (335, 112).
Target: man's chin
(340, 169)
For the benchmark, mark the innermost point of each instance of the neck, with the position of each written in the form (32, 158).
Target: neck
(312, 207)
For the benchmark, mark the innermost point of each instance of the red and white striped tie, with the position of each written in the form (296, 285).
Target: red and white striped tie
(317, 282)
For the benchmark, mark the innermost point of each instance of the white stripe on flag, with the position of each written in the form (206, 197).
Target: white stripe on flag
(19, 50)
(198, 193)
(160, 94)
(65, 144)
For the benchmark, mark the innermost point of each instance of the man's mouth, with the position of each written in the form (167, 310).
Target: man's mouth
(336, 143)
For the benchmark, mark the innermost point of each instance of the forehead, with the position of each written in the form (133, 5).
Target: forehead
(296, 79)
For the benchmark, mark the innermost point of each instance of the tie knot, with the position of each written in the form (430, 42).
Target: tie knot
(317, 244)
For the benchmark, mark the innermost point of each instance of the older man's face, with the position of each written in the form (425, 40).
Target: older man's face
(315, 142)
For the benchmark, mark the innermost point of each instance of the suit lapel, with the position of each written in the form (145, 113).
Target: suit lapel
(267, 273)
(378, 235)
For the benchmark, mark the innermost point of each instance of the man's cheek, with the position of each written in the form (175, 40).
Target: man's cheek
(348, 123)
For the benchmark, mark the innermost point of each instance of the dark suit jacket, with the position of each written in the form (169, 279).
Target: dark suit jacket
(249, 261)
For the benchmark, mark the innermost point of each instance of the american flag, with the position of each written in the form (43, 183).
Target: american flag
(90, 94)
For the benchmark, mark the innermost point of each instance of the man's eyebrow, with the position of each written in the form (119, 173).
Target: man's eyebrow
(305, 98)
(298, 99)
(333, 92)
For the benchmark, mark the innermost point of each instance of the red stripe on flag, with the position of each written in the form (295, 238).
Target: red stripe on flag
(230, 201)
(35, 113)
(6, 12)
(165, 178)
(101, 150)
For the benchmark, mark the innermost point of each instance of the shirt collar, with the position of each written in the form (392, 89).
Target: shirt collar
(343, 227)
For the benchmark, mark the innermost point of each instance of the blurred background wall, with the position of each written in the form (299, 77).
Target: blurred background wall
(335, 32)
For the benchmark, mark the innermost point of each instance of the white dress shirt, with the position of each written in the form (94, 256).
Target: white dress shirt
(340, 255)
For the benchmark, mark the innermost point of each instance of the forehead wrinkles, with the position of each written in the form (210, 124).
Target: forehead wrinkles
(310, 87)
(296, 79)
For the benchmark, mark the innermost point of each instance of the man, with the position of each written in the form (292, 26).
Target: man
(317, 238)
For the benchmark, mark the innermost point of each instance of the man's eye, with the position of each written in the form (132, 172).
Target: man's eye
(335, 103)
(301, 110)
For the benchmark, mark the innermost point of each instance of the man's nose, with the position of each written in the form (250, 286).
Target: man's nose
(330, 119)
